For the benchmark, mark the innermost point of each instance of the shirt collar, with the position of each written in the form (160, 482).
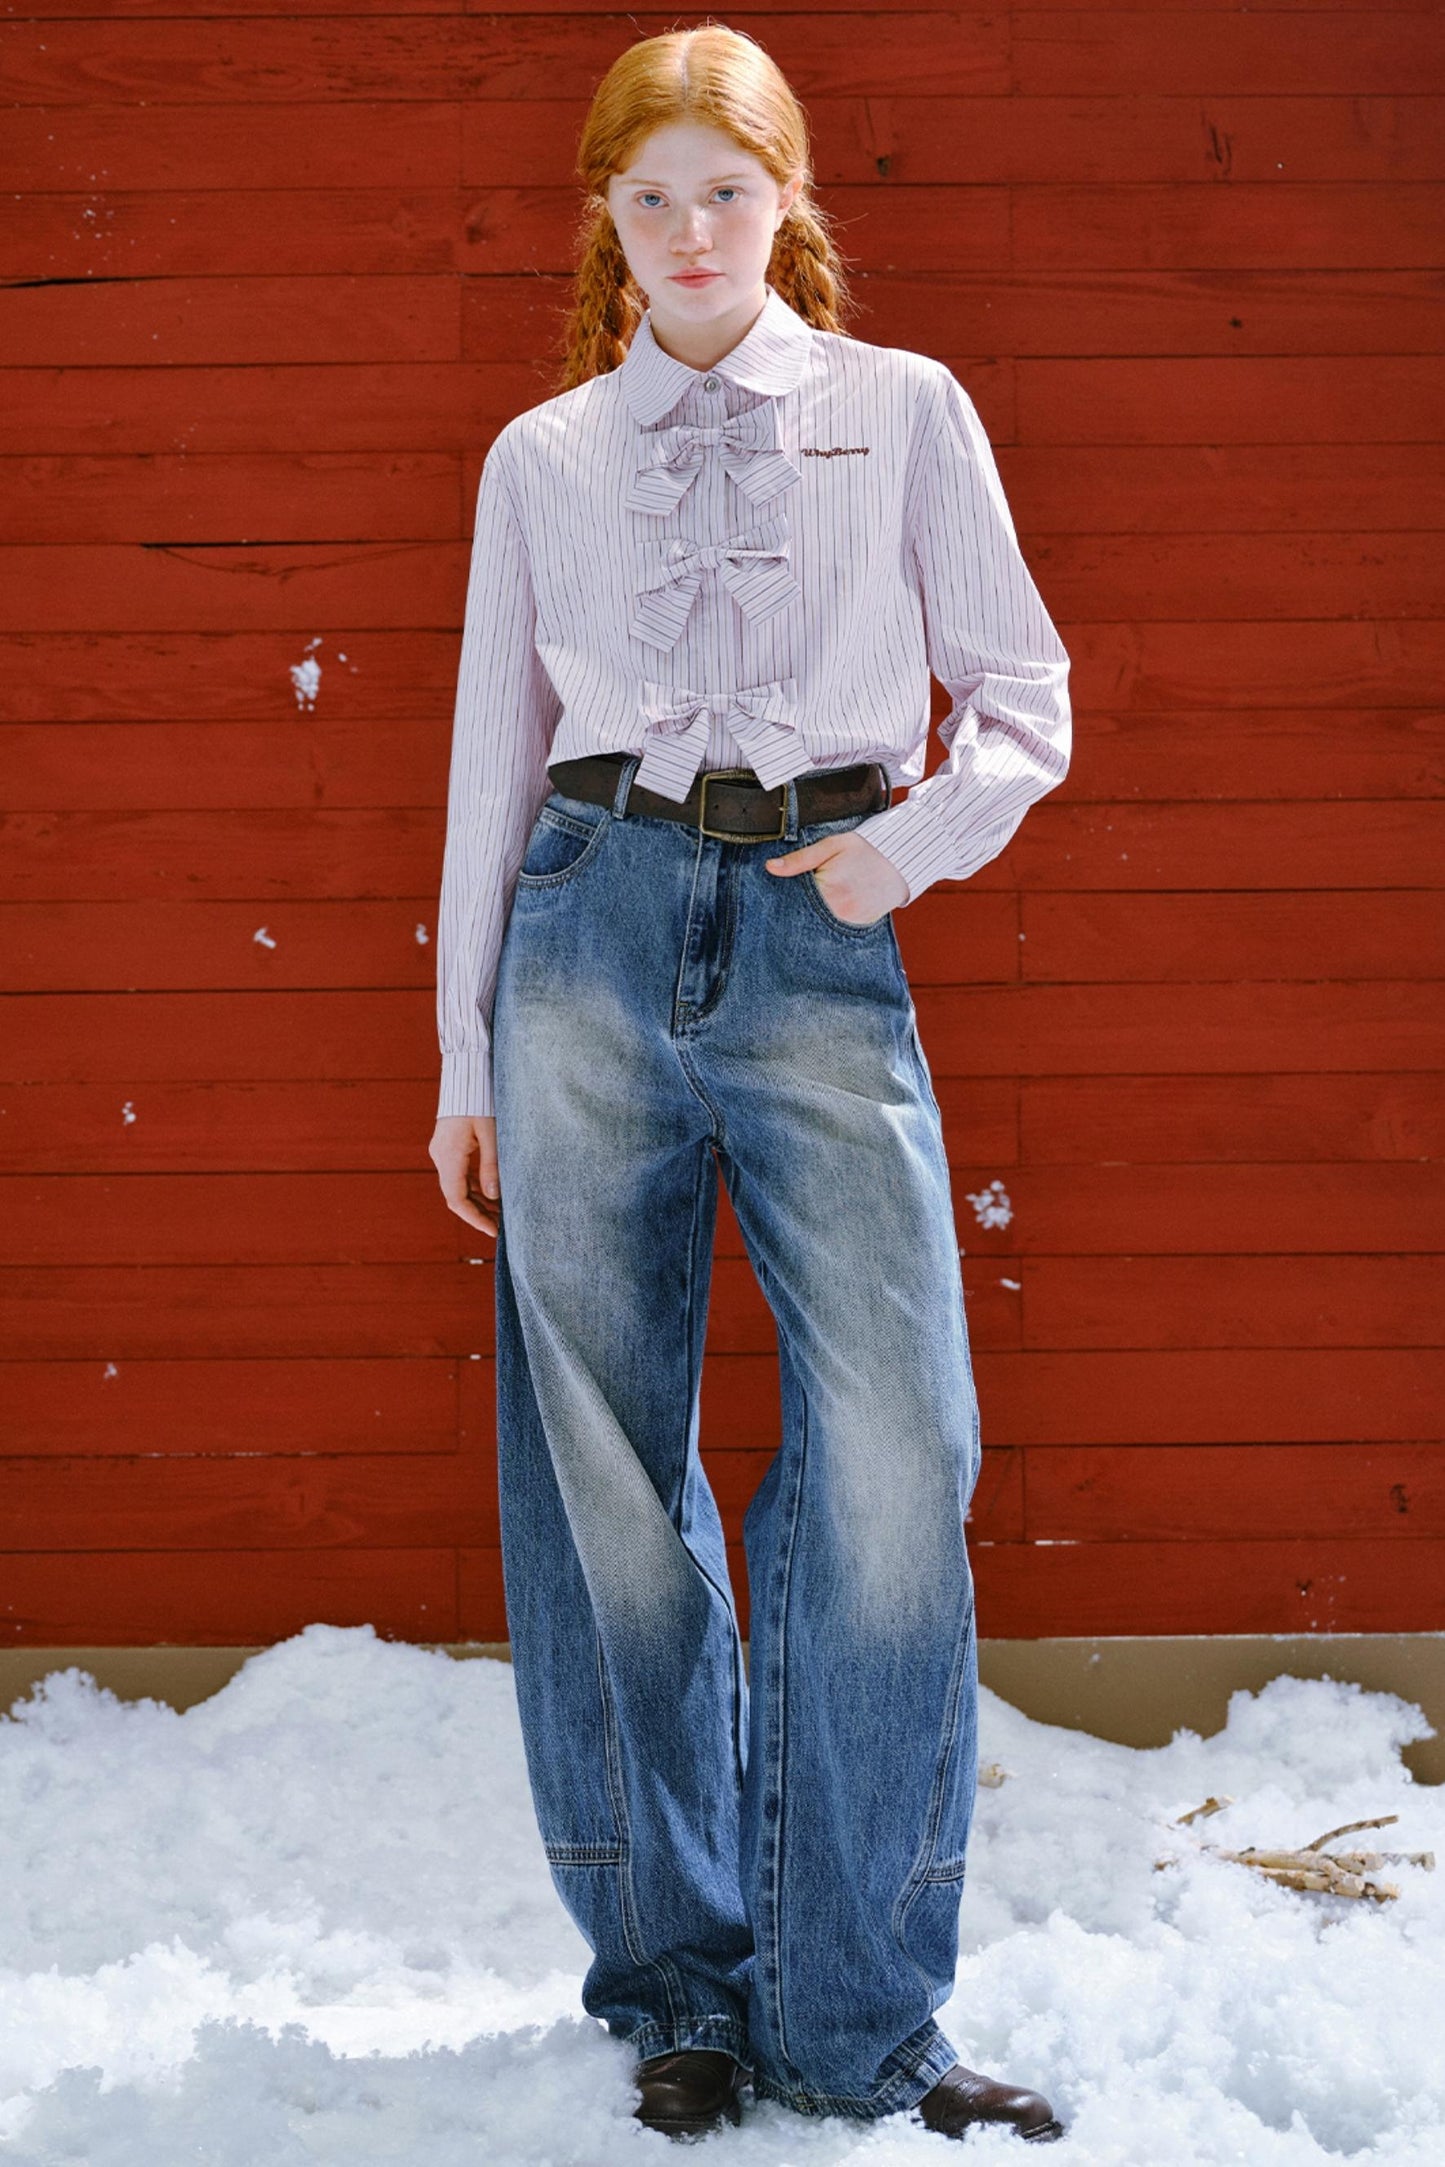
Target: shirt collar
(769, 358)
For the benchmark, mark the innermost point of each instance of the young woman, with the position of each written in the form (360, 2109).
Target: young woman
(709, 580)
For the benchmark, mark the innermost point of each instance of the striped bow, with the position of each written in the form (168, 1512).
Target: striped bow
(763, 719)
(747, 446)
(754, 569)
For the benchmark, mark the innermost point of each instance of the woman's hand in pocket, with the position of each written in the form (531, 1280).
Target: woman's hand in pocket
(464, 1151)
(855, 879)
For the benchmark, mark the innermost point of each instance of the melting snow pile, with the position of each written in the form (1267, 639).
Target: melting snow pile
(310, 1920)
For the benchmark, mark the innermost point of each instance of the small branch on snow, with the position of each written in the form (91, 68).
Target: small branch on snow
(1310, 1866)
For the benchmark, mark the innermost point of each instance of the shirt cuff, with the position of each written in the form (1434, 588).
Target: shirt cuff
(466, 1085)
(913, 840)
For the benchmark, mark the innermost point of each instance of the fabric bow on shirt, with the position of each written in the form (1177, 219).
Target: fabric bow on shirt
(754, 568)
(747, 446)
(763, 719)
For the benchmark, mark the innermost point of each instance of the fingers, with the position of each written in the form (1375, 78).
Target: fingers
(487, 1158)
(469, 1202)
(465, 1157)
(800, 861)
(468, 1207)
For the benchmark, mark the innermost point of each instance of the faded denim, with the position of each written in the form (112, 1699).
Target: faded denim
(773, 1864)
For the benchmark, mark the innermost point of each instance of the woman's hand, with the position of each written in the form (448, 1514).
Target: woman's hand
(464, 1152)
(860, 884)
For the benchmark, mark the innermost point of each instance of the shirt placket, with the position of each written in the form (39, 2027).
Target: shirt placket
(706, 657)
(725, 506)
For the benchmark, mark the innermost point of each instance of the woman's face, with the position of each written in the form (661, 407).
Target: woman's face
(693, 201)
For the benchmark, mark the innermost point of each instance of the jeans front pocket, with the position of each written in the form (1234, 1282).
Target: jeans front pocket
(869, 931)
(566, 836)
(817, 832)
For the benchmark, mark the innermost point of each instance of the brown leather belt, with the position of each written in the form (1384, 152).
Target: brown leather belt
(730, 802)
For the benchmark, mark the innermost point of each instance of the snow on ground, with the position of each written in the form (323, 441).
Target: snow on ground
(309, 1920)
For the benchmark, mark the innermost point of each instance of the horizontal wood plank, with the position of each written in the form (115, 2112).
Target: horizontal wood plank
(191, 581)
(1209, 1396)
(398, 1218)
(1032, 312)
(1198, 939)
(953, 938)
(1200, 667)
(108, 1388)
(1001, 1121)
(1294, 403)
(371, 230)
(1232, 1301)
(1307, 1584)
(1221, 1493)
(205, 1599)
(1108, 1396)
(133, 1040)
(1289, 757)
(446, 56)
(1030, 1591)
(1276, 502)
(394, 851)
(1220, 1119)
(507, 318)
(109, 10)
(833, 52)
(1267, 134)
(360, 1501)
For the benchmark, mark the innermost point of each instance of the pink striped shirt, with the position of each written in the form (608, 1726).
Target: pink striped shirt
(754, 565)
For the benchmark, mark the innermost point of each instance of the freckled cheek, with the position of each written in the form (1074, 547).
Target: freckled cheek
(644, 247)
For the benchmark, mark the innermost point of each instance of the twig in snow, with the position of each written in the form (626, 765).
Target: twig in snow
(1310, 1866)
(1199, 1813)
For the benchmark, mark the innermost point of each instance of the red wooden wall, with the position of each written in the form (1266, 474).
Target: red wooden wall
(273, 276)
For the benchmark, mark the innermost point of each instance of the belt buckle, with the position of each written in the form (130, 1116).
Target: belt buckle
(730, 835)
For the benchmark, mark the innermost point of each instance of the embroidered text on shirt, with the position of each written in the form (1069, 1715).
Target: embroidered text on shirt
(831, 451)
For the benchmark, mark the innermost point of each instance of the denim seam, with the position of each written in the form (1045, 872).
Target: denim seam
(706, 1166)
(918, 1875)
(718, 2029)
(552, 816)
(678, 1005)
(718, 1134)
(778, 1696)
(727, 946)
(931, 2048)
(585, 857)
(925, 1073)
(678, 1029)
(626, 1893)
(871, 932)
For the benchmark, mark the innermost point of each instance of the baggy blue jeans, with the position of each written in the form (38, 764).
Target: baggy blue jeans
(766, 1861)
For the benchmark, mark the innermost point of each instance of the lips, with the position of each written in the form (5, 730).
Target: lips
(694, 278)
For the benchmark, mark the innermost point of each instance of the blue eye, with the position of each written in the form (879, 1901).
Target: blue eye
(649, 196)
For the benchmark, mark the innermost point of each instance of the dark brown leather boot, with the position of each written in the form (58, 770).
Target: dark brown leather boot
(690, 2091)
(963, 2099)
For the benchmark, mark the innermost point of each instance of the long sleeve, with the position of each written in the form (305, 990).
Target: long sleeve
(991, 642)
(506, 713)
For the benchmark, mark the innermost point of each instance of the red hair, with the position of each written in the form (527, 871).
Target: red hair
(725, 80)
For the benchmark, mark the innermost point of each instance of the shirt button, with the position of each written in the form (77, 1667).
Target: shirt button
(709, 383)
